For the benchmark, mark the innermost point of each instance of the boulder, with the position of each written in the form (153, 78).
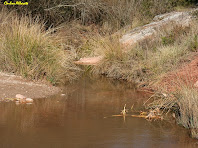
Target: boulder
(29, 100)
(150, 30)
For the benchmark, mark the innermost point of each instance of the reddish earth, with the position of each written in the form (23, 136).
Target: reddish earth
(187, 74)
(10, 85)
(89, 61)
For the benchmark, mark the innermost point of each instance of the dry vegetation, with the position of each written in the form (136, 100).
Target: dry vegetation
(149, 60)
(182, 103)
(28, 50)
(111, 13)
(34, 49)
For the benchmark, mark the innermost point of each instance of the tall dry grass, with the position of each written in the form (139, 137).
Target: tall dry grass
(29, 50)
(149, 59)
(187, 99)
(183, 103)
(112, 13)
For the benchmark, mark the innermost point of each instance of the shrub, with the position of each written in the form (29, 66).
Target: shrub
(115, 13)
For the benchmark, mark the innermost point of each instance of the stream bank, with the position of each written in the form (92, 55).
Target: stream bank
(77, 120)
(10, 85)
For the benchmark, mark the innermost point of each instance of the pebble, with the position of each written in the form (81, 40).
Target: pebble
(29, 100)
(19, 96)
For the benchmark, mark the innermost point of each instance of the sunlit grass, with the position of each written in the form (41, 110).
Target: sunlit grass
(149, 60)
(182, 102)
(29, 50)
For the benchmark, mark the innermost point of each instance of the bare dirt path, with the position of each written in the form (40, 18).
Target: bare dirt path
(10, 85)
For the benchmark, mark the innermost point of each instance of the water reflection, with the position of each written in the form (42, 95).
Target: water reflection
(77, 120)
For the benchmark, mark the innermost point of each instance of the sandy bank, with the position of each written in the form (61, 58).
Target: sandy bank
(10, 85)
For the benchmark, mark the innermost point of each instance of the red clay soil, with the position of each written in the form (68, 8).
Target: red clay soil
(187, 74)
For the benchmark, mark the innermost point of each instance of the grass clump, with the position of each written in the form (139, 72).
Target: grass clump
(183, 103)
(113, 13)
(187, 99)
(29, 50)
(149, 60)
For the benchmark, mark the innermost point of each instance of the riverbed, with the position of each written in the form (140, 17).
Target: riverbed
(81, 117)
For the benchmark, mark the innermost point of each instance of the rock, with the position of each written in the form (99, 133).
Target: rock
(23, 99)
(149, 31)
(29, 100)
(19, 96)
(89, 61)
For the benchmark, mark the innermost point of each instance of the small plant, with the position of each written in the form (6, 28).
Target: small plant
(124, 111)
(195, 13)
(194, 44)
(167, 40)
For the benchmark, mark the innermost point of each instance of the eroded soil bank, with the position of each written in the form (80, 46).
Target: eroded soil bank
(186, 74)
(10, 85)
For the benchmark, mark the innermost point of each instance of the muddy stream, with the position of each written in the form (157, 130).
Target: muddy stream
(76, 120)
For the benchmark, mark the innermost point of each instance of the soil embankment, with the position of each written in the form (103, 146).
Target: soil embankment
(187, 74)
(10, 85)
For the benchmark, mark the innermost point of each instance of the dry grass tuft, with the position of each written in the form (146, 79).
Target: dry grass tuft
(183, 103)
(149, 60)
(187, 99)
(112, 13)
(29, 50)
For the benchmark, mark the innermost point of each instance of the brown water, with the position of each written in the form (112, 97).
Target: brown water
(76, 120)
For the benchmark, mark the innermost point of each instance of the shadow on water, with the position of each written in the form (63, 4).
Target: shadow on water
(76, 120)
